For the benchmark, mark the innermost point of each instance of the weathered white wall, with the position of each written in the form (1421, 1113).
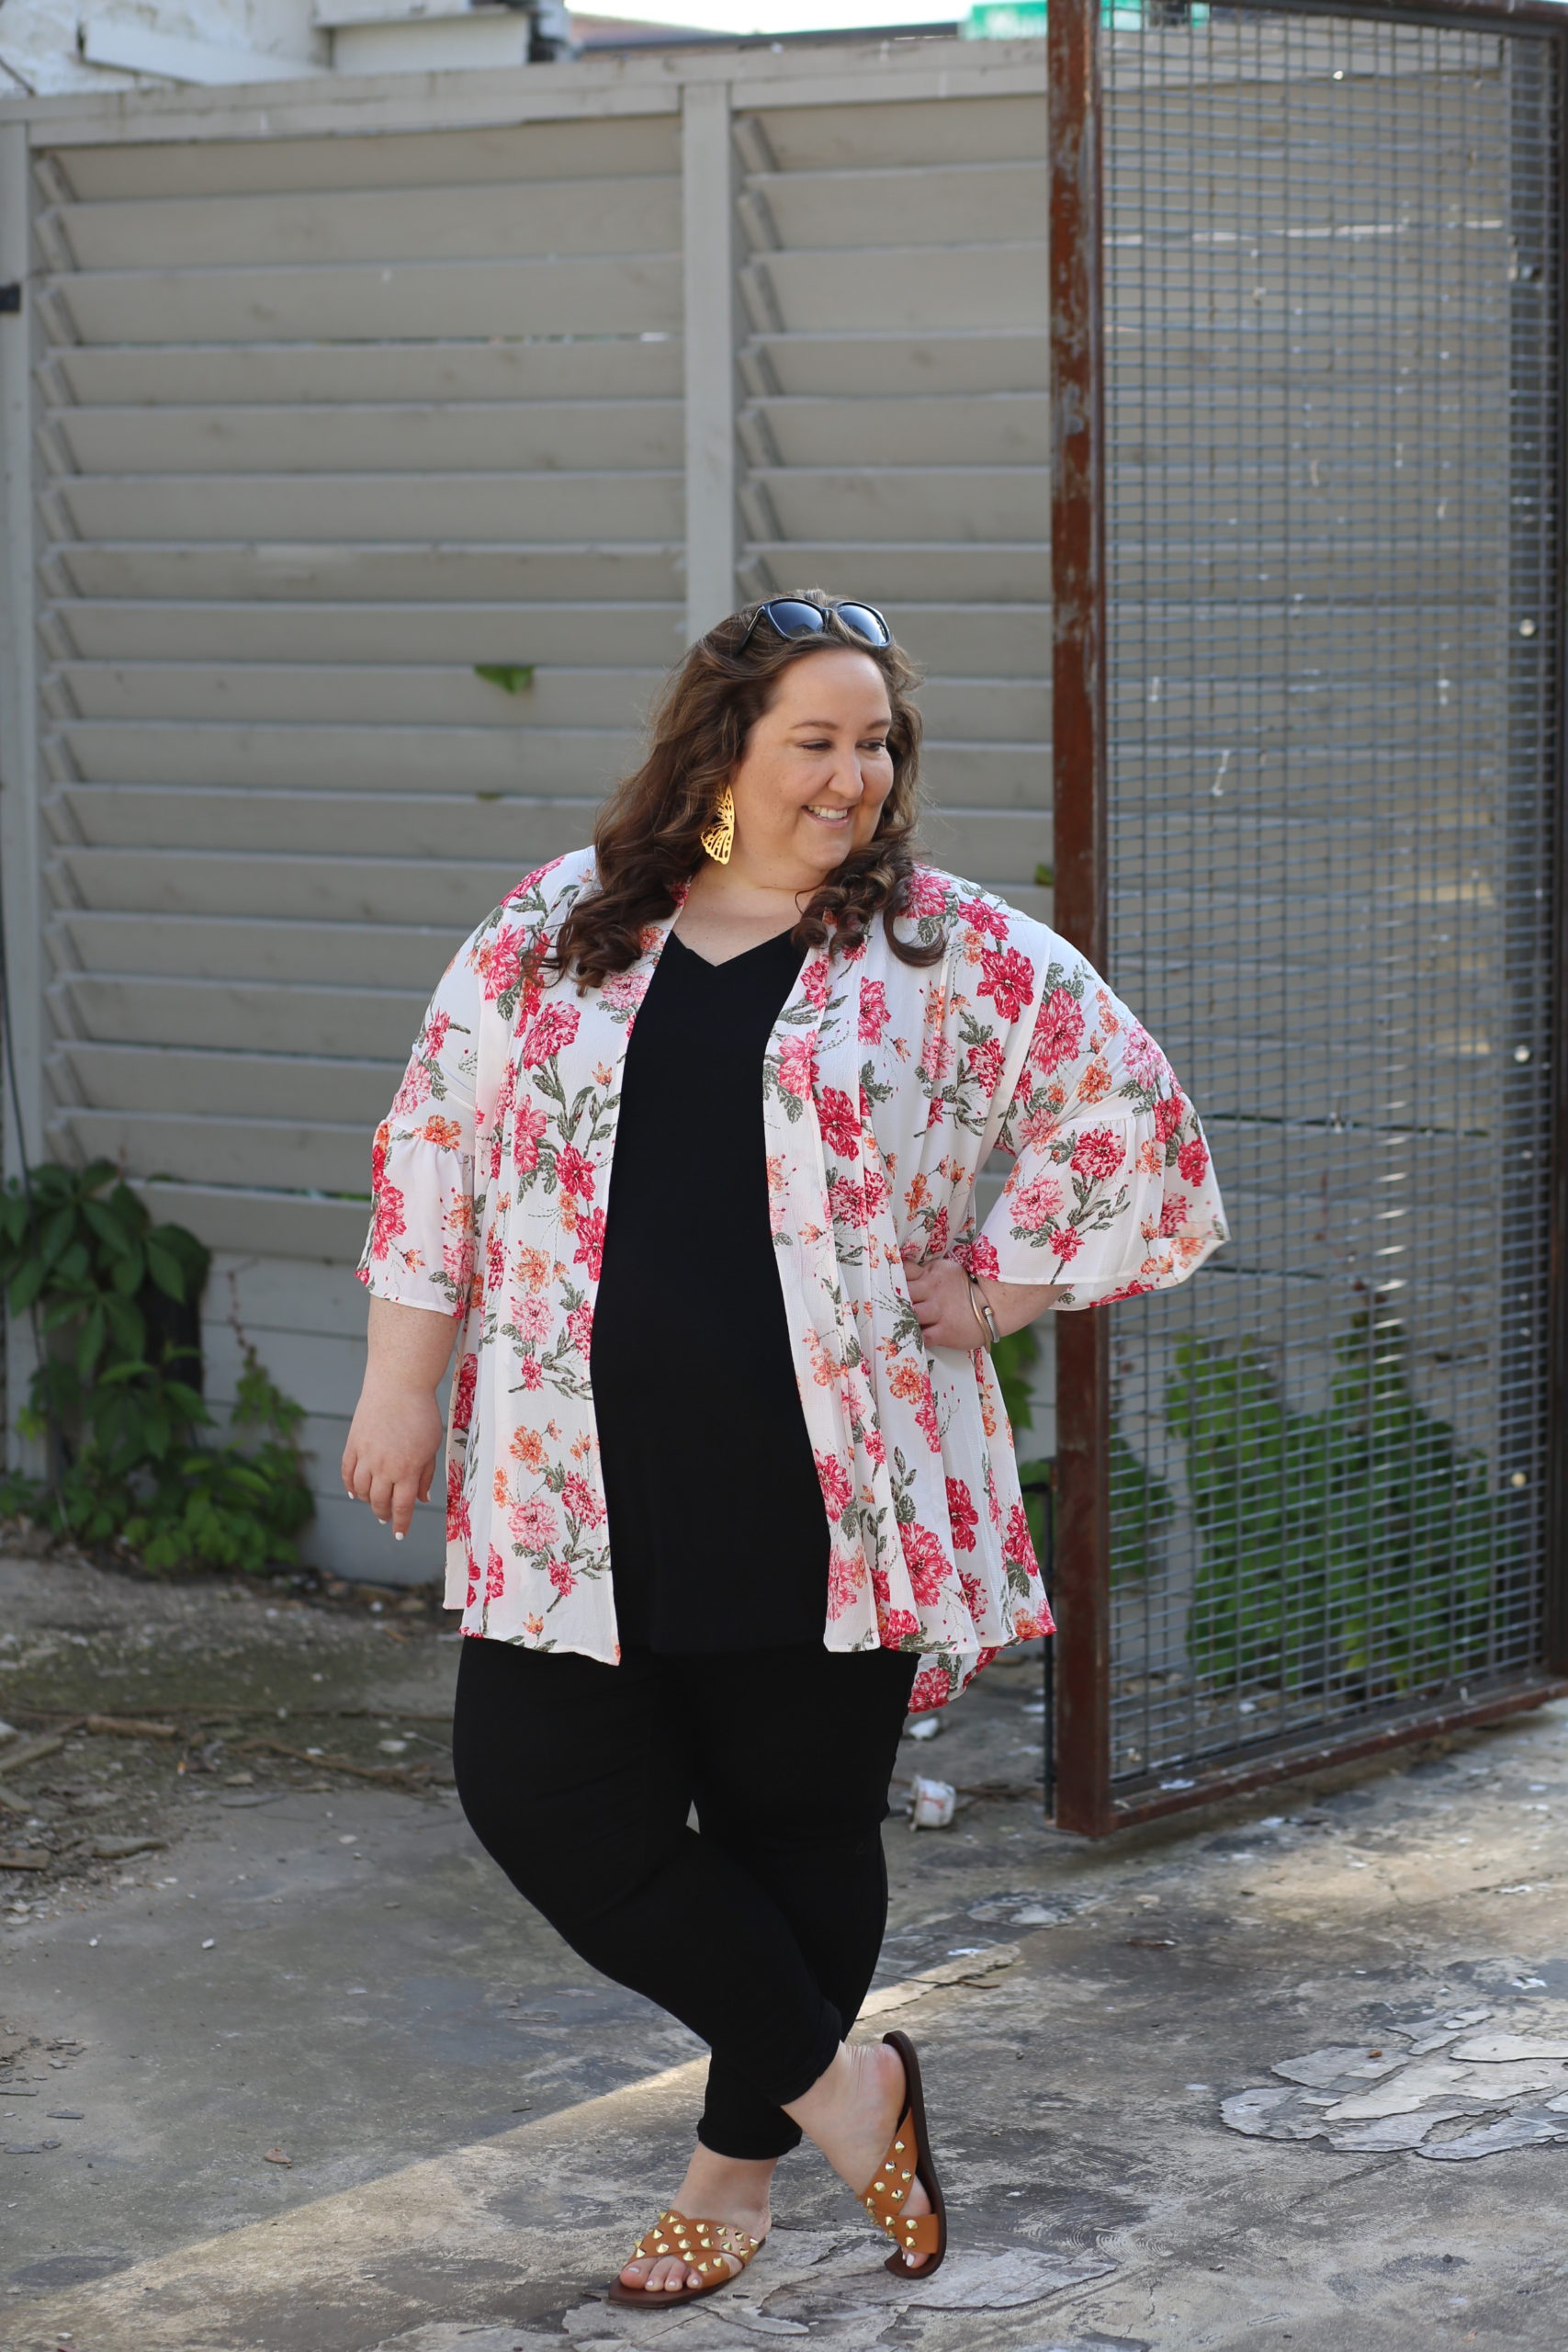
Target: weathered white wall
(41, 41)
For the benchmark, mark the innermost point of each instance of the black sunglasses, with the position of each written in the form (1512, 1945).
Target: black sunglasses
(793, 617)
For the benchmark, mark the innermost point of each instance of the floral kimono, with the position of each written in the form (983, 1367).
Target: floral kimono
(885, 1085)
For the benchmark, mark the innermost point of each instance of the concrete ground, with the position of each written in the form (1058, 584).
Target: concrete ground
(304, 2075)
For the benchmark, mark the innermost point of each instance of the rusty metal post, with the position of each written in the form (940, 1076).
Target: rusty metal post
(1078, 740)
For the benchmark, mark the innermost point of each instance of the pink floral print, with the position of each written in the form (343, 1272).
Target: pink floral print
(885, 1088)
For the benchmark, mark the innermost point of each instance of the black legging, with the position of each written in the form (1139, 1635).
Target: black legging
(760, 1931)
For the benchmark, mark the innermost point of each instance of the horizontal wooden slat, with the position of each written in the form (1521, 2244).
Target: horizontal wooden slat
(1004, 845)
(345, 1538)
(938, 204)
(321, 1370)
(999, 285)
(279, 1293)
(300, 572)
(500, 222)
(476, 507)
(282, 1154)
(439, 438)
(360, 759)
(218, 1085)
(888, 571)
(1005, 358)
(324, 889)
(217, 166)
(630, 294)
(384, 693)
(641, 367)
(350, 955)
(242, 1017)
(988, 429)
(620, 636)
(412, 825)
(952, 503)
(919, 131)
(279, 1224)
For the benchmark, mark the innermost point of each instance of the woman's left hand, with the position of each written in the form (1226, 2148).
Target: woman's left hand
(938, 1293)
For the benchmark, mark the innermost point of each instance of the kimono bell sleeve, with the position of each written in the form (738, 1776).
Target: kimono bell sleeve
(1111, 1191)
(420, 1249)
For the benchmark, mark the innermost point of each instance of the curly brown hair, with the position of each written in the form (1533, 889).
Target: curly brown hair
(645, 840)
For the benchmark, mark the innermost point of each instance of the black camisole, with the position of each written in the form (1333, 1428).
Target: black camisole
(719, 1536)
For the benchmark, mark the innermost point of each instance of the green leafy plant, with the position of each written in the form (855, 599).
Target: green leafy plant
(1353, 1548)
(117, 1394)
(509, 676)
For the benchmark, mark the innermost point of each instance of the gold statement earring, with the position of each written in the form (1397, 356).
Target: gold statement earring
(719, 838)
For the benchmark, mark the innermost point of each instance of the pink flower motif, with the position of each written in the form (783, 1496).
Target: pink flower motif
(835, 1484)
(528, 1126)
(580, 1328)
(985, 1062)
(575, 1171)
(414, 1090)
(531, 1317)
(554, 1028)
(926, 1559)
(580, 1500)
(813, 981)
(797, 1066)
(963, 1515)
(874, 1013)
(562, 1576)
(388, 1218)
(1058, 1031)
(1193, 1159)
(937, 1059)
(590, 1251)
(1035, 1203)
(1007, 978)
(495, 1575)
(458, 1530)
(435, 1035)
(1169, 1112)
(533, 1523)
(1066, 1241)
(896, 1626)
(1098, 1153)
(495, 1259)
(1018, 1544)
(622, 990)
(980, 917)
(927, 894)
(983, 1259)
(1172, 1214)
(847, 1203)
(846, 1581)
(502, 964)
(1143, 1058)
(463, 1394)
(840, 1122)
(876, 1191)
(934, 1689)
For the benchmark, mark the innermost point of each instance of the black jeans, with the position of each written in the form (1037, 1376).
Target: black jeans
(761, 1929)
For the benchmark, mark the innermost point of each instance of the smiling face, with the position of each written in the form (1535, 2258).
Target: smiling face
(810, 785)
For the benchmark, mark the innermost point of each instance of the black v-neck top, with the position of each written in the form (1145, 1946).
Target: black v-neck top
(719, 1536)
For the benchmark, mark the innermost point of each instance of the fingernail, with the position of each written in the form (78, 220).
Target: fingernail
(397, 1535)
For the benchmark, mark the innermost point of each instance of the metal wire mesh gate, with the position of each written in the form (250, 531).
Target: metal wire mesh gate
(1307, 806)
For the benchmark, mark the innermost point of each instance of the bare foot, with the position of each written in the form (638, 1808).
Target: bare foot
(717, 2188)
(852, 2114)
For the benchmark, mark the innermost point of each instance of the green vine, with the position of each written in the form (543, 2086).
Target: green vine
(1352, 1548)
(116, 1395)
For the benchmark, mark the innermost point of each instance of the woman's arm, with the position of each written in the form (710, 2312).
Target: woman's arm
(389, 1460)
(938, 1293)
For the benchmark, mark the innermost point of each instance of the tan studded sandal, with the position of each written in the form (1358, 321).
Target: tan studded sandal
(701, 2245)
(906, 2161)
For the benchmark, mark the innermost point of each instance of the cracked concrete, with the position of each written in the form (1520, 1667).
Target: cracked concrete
(325, 2087)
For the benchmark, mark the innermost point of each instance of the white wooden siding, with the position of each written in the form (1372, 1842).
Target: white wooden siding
(329, 405)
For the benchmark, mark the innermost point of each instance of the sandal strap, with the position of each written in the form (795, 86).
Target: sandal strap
(884, 2196)
(700, 2244)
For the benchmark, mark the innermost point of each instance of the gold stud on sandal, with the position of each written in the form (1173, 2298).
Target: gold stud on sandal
(677, 2234)
(908, 2161)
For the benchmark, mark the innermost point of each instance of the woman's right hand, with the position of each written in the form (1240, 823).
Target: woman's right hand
(395, 1436)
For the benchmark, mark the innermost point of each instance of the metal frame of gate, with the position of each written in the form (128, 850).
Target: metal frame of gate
(1087, 1797)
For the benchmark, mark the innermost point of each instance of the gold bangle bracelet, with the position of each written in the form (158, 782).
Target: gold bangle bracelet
(984, 1314)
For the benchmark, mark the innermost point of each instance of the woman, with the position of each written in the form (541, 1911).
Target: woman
(685, 1158)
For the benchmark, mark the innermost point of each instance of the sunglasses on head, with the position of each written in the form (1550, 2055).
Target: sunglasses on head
(793, 617)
